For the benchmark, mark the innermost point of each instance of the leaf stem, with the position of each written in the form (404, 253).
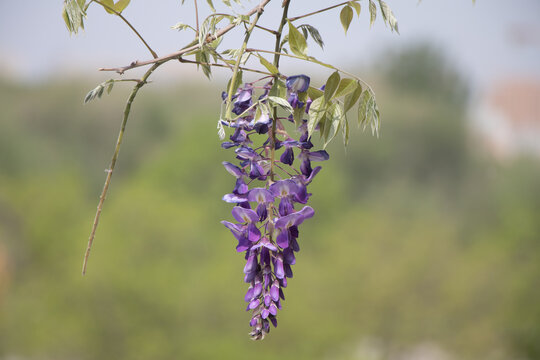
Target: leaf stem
(223, 66)
(110, 170)
(154, 55)
(318, 11)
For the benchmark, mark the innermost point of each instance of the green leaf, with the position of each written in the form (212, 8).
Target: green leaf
(297, 41)
(368, 112)
(73, 14)
(314, 34)
(372, 12)
(346, 86)
(314, 93)
(211, 4)
(121, 5)
(317, 112)
(352, 98)
(97, 92)
(237, 83)
(278, 89)
(346, 17)
(356, 7)
(331, 86)
(334, 122)
(345, 131)
(181, 26)
(108, 5)
(388, 16)
(202, 57)
(268, 65)
(281, 102)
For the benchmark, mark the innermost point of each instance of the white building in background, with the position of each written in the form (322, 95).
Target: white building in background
(507, 120)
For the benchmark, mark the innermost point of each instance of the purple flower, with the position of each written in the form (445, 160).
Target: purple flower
(266, 219)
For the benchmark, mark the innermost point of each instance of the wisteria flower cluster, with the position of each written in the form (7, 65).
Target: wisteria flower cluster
(270, 195)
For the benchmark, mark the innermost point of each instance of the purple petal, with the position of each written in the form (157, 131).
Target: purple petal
(305, 167)
(265, 313)
(244, 215)
(246, 153)
(251, 264)
(262, 212)
(253, 304)
(288, 256)
(233, 169)
(297, 83)
(313, 173)
(267, 300)
(240, 188)
(249, 294)
(320, 155)
(301, 195)
(288, 270)
(274, 291)
(282, 240)
(285, 207)
(260, 195)
(273, 320)
(257, 290)
(288, 156)
(254, 234)
(283, 188)
(273, 309)
(243, 244)
(279, 271)
(253, 321)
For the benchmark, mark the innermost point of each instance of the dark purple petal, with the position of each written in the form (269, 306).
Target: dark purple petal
(273, 320)
(244, 215)
(260, 195)
(253, 321)
(243, 244)
(288, 270)
(288, 256)
(320, 155)
(294, 245)
(301, 195)
(293, 100)
(295, 218)
(262, 212)
(239, 136)
(297, 83)
(250, 276)
(233, 169)
(285, 207)
(282, 240)
(288, 156)
(305, 167)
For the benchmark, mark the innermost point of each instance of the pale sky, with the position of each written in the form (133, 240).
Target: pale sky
(490, 40)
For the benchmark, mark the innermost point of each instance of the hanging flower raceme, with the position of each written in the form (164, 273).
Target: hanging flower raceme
(269, 196)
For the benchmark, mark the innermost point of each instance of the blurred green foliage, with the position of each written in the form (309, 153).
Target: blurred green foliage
(419, 244)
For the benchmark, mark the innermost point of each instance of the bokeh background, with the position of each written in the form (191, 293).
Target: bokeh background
(425, 244)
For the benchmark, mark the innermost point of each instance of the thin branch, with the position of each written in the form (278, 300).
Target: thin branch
(224, 66)
(177, 54)
(318, 11)
(110, 170)
(196, 16)
(128, 24)
(276, 64)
